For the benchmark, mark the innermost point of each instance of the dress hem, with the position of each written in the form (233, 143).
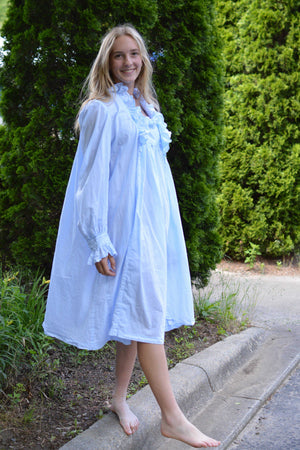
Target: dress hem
(124, 340)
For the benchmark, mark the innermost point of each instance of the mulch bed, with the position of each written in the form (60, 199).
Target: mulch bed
(74, 391)
(262, 266)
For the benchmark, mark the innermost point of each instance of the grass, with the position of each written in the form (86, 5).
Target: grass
(39, 374)
(3, 8)
(22, 341)
(226, 302)
(24, 346)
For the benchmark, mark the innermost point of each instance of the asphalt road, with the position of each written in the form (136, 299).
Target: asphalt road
(277, 425)
(268, 300)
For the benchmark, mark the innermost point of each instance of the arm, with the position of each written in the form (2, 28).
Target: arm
(93, 185)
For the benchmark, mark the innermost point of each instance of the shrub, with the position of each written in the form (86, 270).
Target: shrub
(259, 199)
(48, 52)
(49, 47)
(189, 84)
(22, 306)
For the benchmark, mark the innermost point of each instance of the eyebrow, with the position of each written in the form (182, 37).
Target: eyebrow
(121, 51)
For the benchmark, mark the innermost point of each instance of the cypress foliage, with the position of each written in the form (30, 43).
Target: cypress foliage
(51, 45)
(261, 164)
(188, 77)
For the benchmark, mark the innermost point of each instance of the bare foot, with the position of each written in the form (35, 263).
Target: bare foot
(186, 432)
(128, 420)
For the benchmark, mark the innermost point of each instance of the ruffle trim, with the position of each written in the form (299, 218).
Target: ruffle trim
(156, 117)
(165, 134)
(101, 246)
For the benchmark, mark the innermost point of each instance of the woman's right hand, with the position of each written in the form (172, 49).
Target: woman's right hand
(107, 266)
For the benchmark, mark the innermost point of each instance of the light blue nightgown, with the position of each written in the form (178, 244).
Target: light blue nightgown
(120, 200)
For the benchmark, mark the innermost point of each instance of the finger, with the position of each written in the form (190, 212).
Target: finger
(103, 267)
(98, 266)
(108, 269)
(112, 262)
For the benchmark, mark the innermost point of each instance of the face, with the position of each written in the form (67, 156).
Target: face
(125, 61)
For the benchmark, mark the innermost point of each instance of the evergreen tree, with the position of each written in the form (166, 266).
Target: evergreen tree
(50, 46)
(188, 77)
(261, 164)
(49, 49)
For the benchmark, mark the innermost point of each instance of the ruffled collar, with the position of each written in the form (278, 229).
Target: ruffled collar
(122, 89)
(129, 99)
(139, 118)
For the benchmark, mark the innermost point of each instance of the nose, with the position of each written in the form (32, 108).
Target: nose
(127, 60)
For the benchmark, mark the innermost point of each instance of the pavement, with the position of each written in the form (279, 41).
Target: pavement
(221, 388)
(277, 424)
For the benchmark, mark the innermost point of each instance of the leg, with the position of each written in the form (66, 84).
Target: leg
(126, 356)
(174, 424)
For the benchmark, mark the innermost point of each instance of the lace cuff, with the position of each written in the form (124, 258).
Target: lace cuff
(101, 246)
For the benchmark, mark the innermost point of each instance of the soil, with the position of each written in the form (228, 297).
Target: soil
(73, 387)
(261, 267)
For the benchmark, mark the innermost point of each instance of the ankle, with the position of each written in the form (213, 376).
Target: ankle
(118, 399)
(173, 418)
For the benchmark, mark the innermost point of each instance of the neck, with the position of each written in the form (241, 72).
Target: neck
(131, 88)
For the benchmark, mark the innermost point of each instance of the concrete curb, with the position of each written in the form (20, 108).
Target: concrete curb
(194, 381)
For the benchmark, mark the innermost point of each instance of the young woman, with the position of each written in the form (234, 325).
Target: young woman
(120, 270)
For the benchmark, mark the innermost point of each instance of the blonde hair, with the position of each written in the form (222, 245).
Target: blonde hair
(99, 82)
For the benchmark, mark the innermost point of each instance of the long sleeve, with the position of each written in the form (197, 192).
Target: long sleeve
(93, 185)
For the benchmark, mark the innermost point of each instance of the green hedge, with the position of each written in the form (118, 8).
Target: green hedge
(189, 86)
(260, 201)
(50, 46)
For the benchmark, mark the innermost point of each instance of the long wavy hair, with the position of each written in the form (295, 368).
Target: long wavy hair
(99, 82)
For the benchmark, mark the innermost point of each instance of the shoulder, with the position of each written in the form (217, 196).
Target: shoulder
(95, 108)
(96, 115)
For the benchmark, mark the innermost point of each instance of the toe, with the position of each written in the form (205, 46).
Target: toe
(127, 429)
